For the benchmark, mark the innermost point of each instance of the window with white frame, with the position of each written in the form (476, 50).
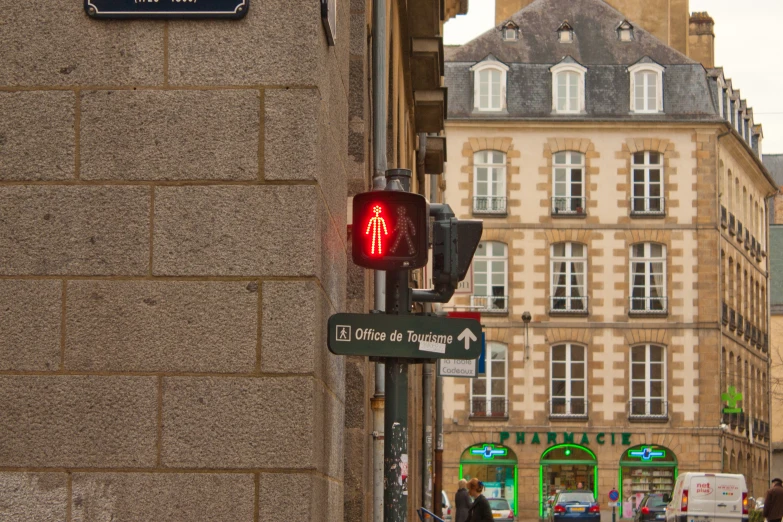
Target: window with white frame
(568, 381)
(648, 278)
(490, 277)
(647, 183)
(568, 88)
(568, 184)
(646, 88)
(489, 182)
(489, 389)
(489, 86)
(510, 32)
(648, 381)
(569, 273)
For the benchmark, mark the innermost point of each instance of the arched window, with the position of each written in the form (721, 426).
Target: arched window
(569, 276)
(489, 182)
(489, 85)
(490, 277)
(488, 390)
(646, 87)
(648, 381)
(647, 183)
(568, 387)
(730, 192)
(648, 278)
(568, 184)
(568, 87)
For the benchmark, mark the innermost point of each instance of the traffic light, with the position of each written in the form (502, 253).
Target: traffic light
(390, 230)
(454, 242)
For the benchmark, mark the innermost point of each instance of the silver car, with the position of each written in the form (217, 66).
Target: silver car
(446, 507)
(501, 510)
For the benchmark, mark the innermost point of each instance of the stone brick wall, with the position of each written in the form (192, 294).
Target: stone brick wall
(172, 241)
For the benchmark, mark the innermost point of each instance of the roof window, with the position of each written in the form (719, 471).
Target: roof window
(625, 31)
(510, 31)
(565, 32)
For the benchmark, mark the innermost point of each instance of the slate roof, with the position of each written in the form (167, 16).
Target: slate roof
(774, 164)
(687, 92)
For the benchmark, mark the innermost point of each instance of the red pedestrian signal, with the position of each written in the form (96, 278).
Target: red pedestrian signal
(390, 230)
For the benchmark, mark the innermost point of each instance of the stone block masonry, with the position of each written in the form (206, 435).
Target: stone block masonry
(172, 242)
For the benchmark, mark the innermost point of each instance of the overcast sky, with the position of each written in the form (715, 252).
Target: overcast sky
(747, 46)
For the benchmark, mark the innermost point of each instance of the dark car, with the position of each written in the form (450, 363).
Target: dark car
(575, 506)
(652, 507)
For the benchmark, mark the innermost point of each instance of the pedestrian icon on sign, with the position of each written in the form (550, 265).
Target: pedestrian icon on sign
(343, 333)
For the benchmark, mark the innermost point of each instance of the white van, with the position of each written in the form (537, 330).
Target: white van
(709, 497)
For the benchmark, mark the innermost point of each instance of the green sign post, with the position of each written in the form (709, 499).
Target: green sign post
(404, 336)
(731, 398)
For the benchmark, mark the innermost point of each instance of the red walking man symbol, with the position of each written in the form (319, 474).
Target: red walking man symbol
(405, 229)
(377, 224)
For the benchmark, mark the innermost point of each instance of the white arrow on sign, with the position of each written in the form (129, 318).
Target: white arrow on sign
(468, 336)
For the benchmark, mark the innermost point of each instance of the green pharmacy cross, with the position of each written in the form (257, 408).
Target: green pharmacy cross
(732, 398)
(489, 451)
(647, 453)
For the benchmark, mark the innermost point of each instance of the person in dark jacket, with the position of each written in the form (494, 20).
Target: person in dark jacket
(480, 510)
(462, 502)
(773, 503)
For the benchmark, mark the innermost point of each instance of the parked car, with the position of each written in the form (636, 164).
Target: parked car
(713, 497)
(501, 510)
(575, 506)
(446, 505)
(652, 507)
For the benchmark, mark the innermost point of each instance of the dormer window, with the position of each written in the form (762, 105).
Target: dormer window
(489, 85)
(625, 31)
(646, 87)
(510, 31)
(568, 87)
(565, 33)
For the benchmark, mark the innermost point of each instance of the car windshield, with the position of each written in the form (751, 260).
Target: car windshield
(498, 504)
(655, 501)
(576, 497)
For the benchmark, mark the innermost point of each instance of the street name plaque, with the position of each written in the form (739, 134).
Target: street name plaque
(404, 336)
(166, 9)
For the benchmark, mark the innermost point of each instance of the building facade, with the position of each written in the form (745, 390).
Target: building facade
(173, 238)
(622, 275)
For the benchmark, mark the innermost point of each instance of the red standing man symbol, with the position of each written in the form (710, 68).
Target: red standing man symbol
(404, 230)
(376, 224)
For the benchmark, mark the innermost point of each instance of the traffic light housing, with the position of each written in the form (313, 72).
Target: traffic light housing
(454, 242)
(390, 230)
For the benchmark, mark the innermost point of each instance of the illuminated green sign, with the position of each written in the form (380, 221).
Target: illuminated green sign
(489, 451)
(552, 438)
(731, 398)
(647, 453)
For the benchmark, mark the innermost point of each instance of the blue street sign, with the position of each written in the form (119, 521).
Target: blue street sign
(482, 362)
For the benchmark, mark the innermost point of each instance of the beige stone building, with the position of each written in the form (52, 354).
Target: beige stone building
(172, 241)
(623, 200)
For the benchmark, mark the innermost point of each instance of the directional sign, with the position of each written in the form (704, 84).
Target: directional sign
(404, 336)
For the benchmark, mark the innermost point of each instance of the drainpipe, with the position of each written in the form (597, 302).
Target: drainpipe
(379, 83)
(438, 468)
(427, 371)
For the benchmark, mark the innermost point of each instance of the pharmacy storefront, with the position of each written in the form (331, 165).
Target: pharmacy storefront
(529, 468)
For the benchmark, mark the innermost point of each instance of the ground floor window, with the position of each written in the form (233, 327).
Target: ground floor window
(565, 466)
(645, 469)
(496, 466)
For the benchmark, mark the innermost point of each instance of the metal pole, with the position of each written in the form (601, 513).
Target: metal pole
(395, 448)
(426, 462)
(379, 86)
(438, 445)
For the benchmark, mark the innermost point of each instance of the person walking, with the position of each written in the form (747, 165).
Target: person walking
(773, 503)
(480, 510)
(462, 502)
